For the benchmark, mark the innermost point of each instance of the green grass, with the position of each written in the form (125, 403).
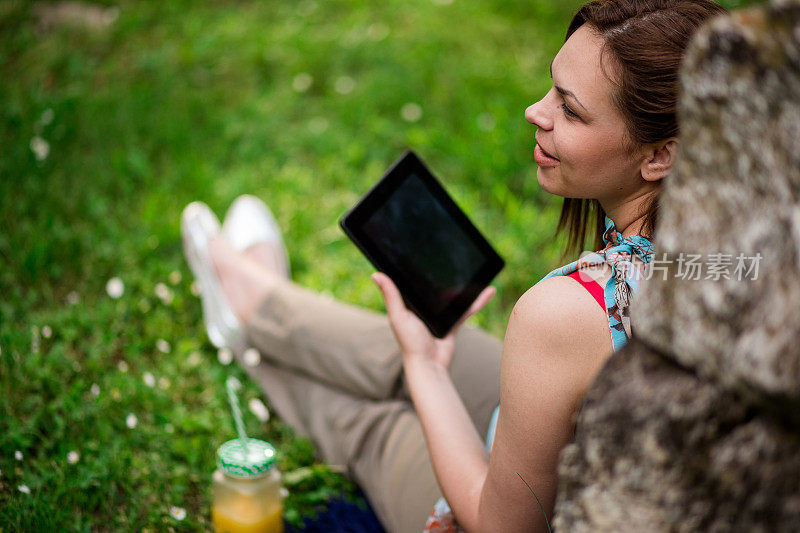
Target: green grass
(180, 101)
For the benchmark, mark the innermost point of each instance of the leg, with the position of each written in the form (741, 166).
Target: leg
(341, 345)
(344, 346)
(380, 443)
(355, 350)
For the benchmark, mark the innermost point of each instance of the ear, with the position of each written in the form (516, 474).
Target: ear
(659, 159)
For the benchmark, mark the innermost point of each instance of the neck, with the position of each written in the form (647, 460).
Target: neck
(627, 216)
(627, 228)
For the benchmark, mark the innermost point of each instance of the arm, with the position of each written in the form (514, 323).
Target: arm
(547, 365)
(556, 342)
(457, 451)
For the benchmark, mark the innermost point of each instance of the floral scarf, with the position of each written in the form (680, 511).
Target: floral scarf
(627, 257)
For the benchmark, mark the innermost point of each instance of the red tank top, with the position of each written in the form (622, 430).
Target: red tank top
(590, 285)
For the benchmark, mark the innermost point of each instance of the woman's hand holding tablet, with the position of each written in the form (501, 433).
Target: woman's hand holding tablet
(411, 230)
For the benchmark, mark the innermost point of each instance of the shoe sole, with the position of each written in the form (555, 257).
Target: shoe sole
(221, 323)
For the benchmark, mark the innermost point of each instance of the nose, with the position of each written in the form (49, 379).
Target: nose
(539, 114)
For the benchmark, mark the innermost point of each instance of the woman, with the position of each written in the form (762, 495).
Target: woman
(606, 138)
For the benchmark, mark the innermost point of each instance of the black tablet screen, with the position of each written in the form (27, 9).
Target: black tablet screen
(421, 239)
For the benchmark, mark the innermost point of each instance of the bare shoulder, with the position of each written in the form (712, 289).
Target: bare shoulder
(556, 329)
(563, 315)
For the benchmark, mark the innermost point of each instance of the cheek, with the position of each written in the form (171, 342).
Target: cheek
(598, 154)
(577, 149)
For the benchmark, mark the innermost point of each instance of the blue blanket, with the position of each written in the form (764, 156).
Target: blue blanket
(340, 516)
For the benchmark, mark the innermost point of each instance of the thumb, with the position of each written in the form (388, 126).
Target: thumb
(479, 303)
(391, 295)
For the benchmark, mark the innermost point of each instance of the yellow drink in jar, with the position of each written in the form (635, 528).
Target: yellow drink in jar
(247, 489)
(223, 523)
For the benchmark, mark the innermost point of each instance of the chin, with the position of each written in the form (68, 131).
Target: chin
(546, 181)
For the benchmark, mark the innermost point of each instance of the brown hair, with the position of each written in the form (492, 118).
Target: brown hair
(646, 40)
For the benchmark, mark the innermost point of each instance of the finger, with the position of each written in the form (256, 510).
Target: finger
(483, 298)
(391, 295)
(480, 302)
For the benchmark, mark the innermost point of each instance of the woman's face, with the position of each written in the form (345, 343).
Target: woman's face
(581, 147)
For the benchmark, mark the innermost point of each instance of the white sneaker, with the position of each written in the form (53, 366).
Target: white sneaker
(249, 222)
(198, 226)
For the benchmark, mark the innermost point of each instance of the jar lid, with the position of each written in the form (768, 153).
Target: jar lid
(256, 461)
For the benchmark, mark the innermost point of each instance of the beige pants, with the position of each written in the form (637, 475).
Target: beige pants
(333, 371)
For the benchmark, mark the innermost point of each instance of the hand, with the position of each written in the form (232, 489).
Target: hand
(416, 341)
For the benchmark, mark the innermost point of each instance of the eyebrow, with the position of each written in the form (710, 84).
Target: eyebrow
(565, 92)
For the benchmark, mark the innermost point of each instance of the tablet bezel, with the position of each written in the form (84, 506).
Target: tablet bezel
(352, 224)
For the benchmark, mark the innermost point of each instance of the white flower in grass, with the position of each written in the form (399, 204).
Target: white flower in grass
(164, 293)
(24, 489)
(73, 298)
(131, 421)
(194, 359)
(162, 345)
(40, 148)
(47, 332)
(115, 288)
(169, 428)
(122, 366)
(178, 513)
(411, 112)
(18, 455)
(73, 457)
(163, 383)
(251, 357)
(344, 85)
(149, 380)
(258, 408)
(95, 390)
(194, 288)
(302, 82)
(284, 492)
(224, 356)
(318, 125)
(175, 277)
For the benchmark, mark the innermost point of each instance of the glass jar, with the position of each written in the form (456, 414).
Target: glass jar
(247, 496)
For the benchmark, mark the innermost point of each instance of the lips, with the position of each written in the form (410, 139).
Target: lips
(542, 158)
(545, 151)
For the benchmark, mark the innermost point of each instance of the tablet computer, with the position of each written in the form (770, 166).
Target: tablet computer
(411, 230)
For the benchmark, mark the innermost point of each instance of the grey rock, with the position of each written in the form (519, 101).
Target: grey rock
(659, 449)
(735, 190)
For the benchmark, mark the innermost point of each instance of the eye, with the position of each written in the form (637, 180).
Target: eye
(567, 111)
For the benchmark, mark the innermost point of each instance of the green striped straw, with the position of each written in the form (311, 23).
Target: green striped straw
(232, 384)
